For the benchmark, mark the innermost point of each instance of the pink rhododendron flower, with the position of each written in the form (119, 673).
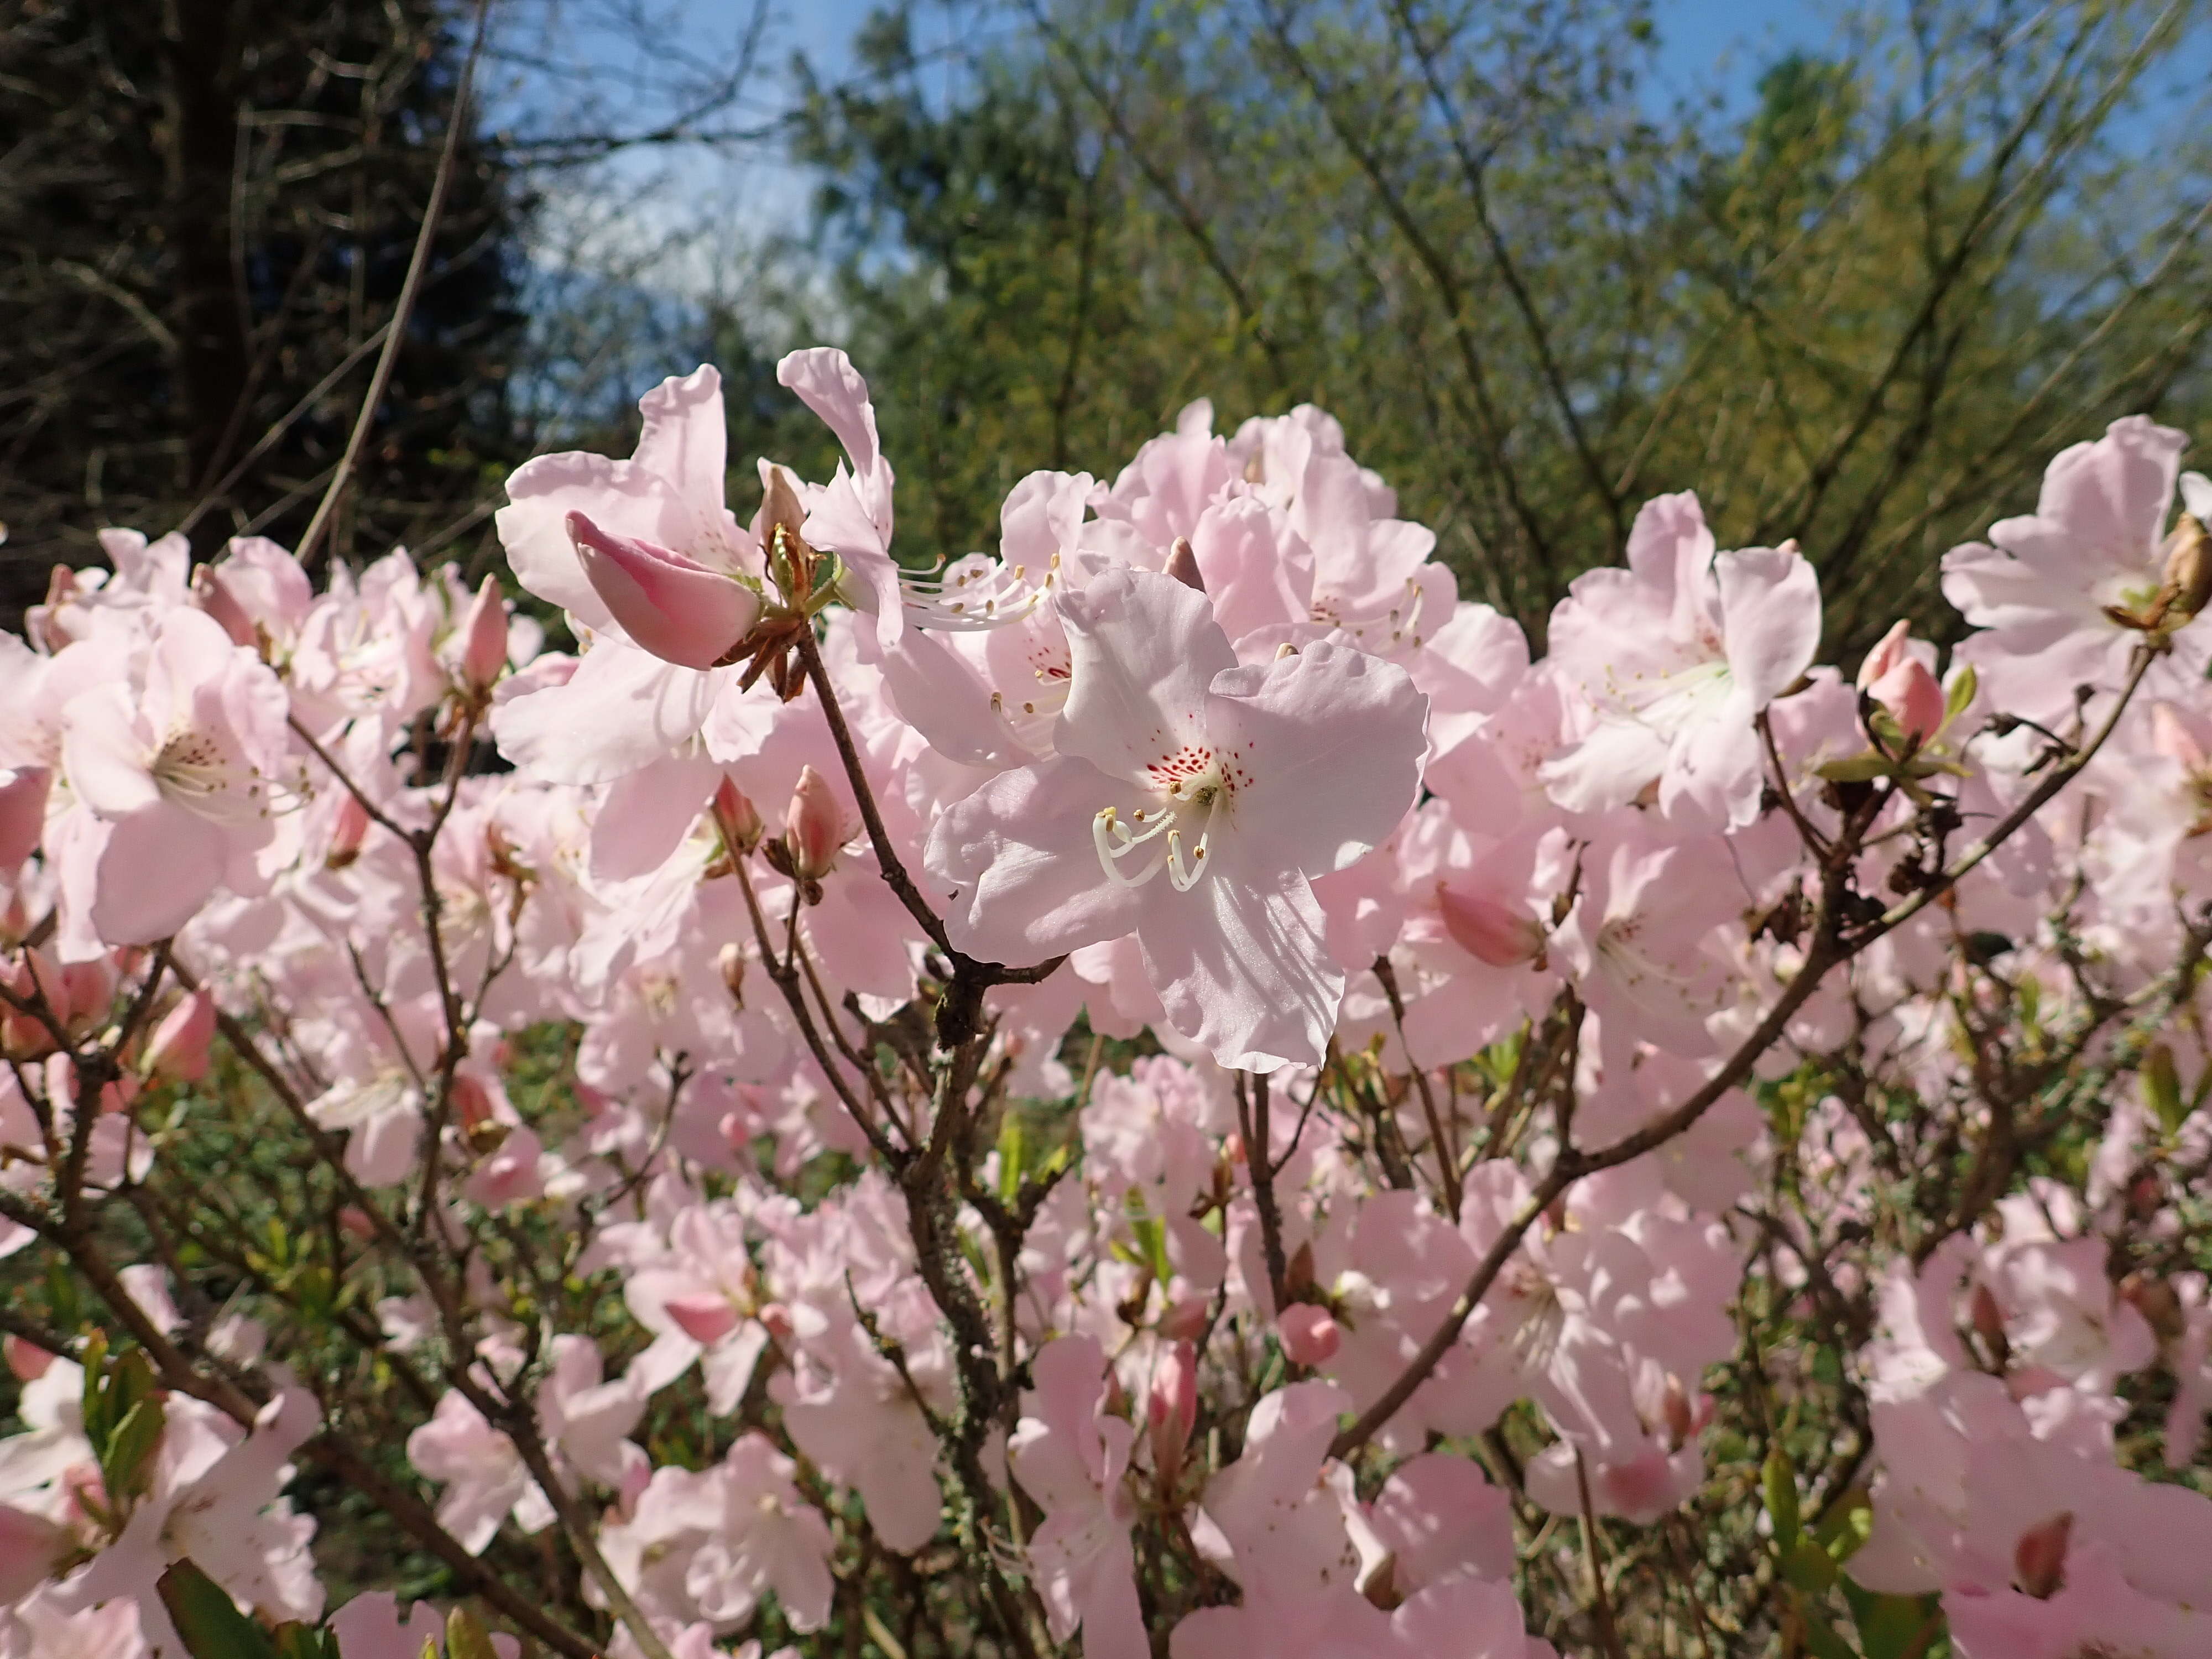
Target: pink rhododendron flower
(1190, 802)
(1071, 1457)
(182, 772)
(2047, 585)
(1675, 656)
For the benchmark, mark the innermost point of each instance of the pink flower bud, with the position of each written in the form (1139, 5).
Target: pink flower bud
(1171, 1409)
(178, 1051)
(735, 817)
(705, 1319)
(2038, 1560)
(22, 814)
(775, 1320)
(680, 611)
(353, 1221)
(23, 1036)
(216, 598)
(348, 831)
(1310, 1336)
(27, 1360)
(1885, 655)
(1904, 685)
(478, 1114)
(85, 992)
(813, 827)
(1488, 931)
(484, 637)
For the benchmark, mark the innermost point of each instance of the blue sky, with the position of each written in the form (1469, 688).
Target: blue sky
(1704, 47)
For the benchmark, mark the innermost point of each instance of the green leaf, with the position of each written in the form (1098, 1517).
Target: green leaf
(1857, 768)
(93, 1403)
(1889, 1627)
(1808, 1567)
(1778, 1478)
(1846, 1526)
(464, 1638)
(2161, 1087)
(297, 1641)
(1013, 1155)
(207, 1619)
(1960, 692)
(1821, 1638)
(126, 1463)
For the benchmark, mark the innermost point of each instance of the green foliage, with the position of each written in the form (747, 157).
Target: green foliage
(1862, 315)
(213, 1628)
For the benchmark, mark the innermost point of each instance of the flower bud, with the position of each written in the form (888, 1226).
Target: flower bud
(705, 1318)
(23, 1036)
(779, 508)
(2158, 1305)
(813, 827)
(1675, 1412)
(484, 638)
(83, 993)
(1310, 1336)
(1182, 564)
(22, 814)
(348, 831)
(178, 1051)
(2038, 1560)
(1888, 654)
(729, 961)
(215, 597)
(355, 1222)
(1904, 686)
(1488, 931)
(679, 610)
(2188, 586)
(478, 1115)
(1989, 1326)
(738, 820)
(1171, 1409)
(27, 1360)
(42, 624)
(1298, 1271)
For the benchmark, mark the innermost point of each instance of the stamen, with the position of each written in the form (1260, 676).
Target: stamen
(1110, 854)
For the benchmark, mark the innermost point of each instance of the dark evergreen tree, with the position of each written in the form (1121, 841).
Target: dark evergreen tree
(210, 208)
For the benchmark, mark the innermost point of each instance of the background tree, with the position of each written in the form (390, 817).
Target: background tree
(212, 208)
(1533, 295)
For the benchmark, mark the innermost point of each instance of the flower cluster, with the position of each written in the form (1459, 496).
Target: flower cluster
(1170, 1083)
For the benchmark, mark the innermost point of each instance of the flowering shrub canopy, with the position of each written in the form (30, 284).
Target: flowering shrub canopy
(1171, 1087)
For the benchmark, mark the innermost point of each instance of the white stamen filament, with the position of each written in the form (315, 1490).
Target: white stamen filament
(1115, 841)
(979, 599)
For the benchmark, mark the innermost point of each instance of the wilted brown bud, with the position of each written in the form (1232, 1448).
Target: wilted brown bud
(1298, 1275)
(2188, 585)
(1182, 564)
(737, 819)
(1989, 1328)
(2039, 1560)
(731, 962)
(2155, 1299)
